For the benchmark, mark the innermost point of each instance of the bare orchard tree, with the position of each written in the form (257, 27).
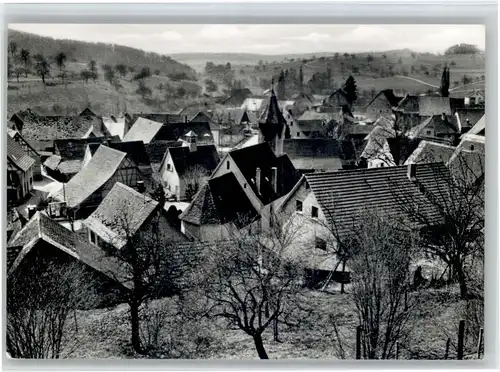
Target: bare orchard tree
(194, 178)
(456, 235)
(381, 283)
(249, 282)
(40, 307)
(149, 261)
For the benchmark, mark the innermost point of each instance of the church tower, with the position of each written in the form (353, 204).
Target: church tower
(272, 124)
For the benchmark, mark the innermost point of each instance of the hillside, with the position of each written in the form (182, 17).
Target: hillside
(79, 51)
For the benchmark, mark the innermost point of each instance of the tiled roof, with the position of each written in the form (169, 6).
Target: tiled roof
(156, 150)
(205, 156)
(17, 156)
(74, 148)
(389, 95)
(136, 150)
(318, 153)
(441, 126)
(248, 159)
(42, 227)
(221, 200)
(121, 213)
(479, 127)
(158, 117)
(175, 131)
(95, 174)
(425, 105)
(115, 126)
(469, 117)
(143, 130)
(431, 152)
(467, 165)
(345, 195)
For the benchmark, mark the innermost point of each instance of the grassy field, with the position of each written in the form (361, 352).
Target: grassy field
(105, 333)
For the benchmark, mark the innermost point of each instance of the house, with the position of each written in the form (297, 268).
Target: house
(30, 151)
(328, 205)
(467, 167)
(156, 152)
(413, 110)
(310, 155)
(218, 209)
(302, 102)
(311, 124)
(273, 126)
(254, 104)
(237, 97)
(336, 101)
(472, 142)
(184, 169)
(68, 156)
(86, 190)
(116, 126)
(479, 128)
(124, 216)
(476, 98)
(383, 103)
(136, 150)
(40, 130)
(20, 173)
(430, 152)
(43, 243)
(468, 117)
(443, 128)
(148, 131)
(264, 176)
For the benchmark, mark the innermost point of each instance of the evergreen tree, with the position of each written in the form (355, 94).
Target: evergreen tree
(281, 86)
(351, 89)
(301, 79)
(445, 82)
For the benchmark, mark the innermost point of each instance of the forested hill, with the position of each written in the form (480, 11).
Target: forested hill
(80, 51)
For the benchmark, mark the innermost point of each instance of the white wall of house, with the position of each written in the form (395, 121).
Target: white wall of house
(169, 175)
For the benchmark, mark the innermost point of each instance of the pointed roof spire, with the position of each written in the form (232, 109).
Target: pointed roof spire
(272, 86)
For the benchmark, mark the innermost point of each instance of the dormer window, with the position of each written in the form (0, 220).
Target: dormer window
(314, 212)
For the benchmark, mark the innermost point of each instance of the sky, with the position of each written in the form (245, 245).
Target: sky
(267, 39)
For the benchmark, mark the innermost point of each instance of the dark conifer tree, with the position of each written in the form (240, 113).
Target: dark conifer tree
(351, 89)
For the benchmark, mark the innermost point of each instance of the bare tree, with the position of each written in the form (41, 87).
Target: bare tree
(381, 283)
(13, 49)
(456, 234)
(39, 308)
(150, 263)
(194, 178)
(42, 67)
(25, 57)
(252, 284)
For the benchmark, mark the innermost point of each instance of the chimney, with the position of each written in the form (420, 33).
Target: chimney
(140, 186)
(412, 171)
(257, 180)
(31, 211)
(274, 179)
(191, 141)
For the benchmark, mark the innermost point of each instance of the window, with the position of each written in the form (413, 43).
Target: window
(298, 206)
(169, 167)
(428, 132)
(244, 185)
(472, 147)
(228, 165)
(291, 123)
(314, 212)
(93, 238)
(321, 244)
(298, 134)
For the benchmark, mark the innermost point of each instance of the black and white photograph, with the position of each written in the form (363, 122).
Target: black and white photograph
(245, 191)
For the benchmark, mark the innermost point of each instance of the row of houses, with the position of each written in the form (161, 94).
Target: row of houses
(109, 181)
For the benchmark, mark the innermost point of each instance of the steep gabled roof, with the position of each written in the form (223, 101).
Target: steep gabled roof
(447, 125)
(157, 149)
(221, 200)
(41, 227)
(430, 152)
(479, 127)
(90, 178)
(17, 156)
(121, 213)
(143, 130)
(248, 159)
(176, 131)
(205, 157)
(272, 121)
(389, 96)
(74, 148)
(345, 195)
